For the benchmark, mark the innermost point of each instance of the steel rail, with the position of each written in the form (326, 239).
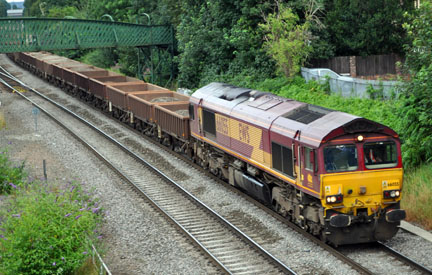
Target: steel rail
(405, 259)
(353, 264)
(259, 248)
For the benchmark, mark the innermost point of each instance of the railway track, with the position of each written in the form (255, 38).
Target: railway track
(228, 247)
(360, 267)
(379, 256)
(403, 258)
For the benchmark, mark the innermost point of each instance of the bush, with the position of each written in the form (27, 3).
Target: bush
(44, 229)
(10, 176)
(103, 58)
(415, 114)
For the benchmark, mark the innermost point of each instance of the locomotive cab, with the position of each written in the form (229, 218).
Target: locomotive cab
(361, 177)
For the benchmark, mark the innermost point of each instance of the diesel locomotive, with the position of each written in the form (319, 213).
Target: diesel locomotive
(336, 175)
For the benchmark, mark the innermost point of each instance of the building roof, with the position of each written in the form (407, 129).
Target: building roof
(15, 13)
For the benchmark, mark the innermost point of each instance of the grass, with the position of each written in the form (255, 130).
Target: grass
(417, 195)
(87, 268)
(2, 120)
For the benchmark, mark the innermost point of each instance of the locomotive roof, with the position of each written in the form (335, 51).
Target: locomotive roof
(308, 123)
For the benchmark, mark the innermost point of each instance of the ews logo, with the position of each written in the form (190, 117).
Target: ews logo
(222, 125)
(244, 133)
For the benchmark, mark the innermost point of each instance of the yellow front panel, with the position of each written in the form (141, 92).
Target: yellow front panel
(372, 183)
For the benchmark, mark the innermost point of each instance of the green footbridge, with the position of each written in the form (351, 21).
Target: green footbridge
(46, 34)
(155, 43)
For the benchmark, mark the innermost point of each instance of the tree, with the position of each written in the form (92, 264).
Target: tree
(42, 7)
(4, 6)
(61, 12)
(219, 40)
(288, 41)
(365, 27)
(416, 116)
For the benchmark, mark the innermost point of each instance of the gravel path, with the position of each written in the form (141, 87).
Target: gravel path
(122, 235)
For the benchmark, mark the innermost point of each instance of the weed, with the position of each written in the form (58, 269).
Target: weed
(44, 229)
(375, 93)
(2, 120)
(11, 175)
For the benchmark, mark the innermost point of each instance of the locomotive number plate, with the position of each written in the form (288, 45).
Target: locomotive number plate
(390, 183)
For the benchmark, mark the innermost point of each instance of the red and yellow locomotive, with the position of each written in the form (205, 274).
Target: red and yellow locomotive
(334, 174)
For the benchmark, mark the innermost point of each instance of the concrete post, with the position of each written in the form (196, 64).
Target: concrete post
(353, 67)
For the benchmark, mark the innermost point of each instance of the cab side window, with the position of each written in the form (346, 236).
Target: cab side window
(310, 159)
(209, 122)
(307, 159)
(282, 159)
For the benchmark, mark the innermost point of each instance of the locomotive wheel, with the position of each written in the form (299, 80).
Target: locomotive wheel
(323, 236)
(276, 207)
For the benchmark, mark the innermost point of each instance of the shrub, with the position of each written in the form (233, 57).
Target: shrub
(44, 229)
(100, 57)
(415, 114)
(10, 176)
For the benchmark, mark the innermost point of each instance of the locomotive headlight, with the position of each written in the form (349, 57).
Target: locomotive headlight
(360, 138)
(334, 199)
(391, 194)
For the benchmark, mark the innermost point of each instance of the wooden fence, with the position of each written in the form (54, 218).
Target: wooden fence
(340, 64)
(359, 65)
